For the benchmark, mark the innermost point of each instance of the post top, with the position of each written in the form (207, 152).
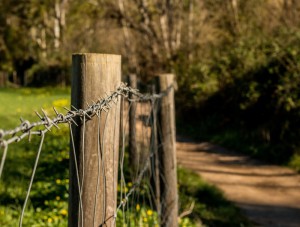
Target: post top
(101, 54)
(94, 57)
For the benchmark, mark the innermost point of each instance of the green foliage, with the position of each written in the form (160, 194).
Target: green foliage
(294, 162)
(48, 198)
(254, 104)
(139, 216)
(49, 75)
(196, 84)
(210, 205)
(16, 103)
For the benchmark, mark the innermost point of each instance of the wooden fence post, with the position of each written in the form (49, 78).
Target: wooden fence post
(3, 78)
(133, 154)
(155, 159)
(169, 197)
(94, 76)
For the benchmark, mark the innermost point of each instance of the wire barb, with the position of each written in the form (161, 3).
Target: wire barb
(103, 104)
(76, 116)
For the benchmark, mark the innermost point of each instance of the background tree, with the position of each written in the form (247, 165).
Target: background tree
(156, 30)
(235, 55)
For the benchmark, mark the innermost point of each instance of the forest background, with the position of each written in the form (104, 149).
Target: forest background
(236, 62)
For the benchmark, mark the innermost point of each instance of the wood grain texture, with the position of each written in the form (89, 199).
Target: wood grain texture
(169, 197)
(94, 76)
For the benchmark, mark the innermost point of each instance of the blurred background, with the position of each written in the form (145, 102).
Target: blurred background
(236, 62)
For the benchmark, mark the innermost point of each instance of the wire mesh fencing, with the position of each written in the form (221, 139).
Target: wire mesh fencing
(95, 197)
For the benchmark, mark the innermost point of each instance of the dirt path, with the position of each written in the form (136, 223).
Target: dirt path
(269, 195)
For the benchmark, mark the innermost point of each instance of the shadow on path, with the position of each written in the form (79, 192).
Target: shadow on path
(269, 195)
(271, 215)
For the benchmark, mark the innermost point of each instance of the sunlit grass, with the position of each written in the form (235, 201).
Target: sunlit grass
(211, 207)
(295, 162)
(48, 198)
(22, 102)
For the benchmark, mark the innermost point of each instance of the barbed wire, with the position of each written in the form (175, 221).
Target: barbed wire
(136, 184)
(46, 123)
(147, 164)
(26, 128)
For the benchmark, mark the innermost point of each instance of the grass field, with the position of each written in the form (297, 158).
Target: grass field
(16, 103)
(48, 200)
(49, 194)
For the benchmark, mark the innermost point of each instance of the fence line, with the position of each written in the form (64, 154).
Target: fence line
(104, 104)
(100, 110)
(27, 129)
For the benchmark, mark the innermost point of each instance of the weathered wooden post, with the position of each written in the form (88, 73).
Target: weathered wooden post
(133, 154)
(155, 158)
(3, 79)
(94, 76)
(169, 196)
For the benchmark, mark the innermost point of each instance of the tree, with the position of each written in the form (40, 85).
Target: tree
(152, 30)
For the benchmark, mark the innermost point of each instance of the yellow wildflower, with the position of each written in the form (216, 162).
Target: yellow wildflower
(58, 181)
(50, 220)
(138, 207)
(60, 103)
(64, 212)
(145, 219)
(149, 212)
(57, 198)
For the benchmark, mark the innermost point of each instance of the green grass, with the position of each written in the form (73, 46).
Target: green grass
(295, 162)
(241, 140)
(211, 207)
(48, 198)
(271, 153)
(22, 102)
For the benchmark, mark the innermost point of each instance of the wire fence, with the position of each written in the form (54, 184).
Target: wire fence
(137, 194)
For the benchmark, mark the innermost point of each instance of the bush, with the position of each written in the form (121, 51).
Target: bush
(49, 75)
(254, 104)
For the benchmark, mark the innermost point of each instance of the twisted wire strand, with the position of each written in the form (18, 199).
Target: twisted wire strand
(135, 186)
(32, 177)
(80, 211)
(140, 176)
(27, 129)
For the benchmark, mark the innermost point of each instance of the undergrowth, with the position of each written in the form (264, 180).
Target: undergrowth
(49, 195)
